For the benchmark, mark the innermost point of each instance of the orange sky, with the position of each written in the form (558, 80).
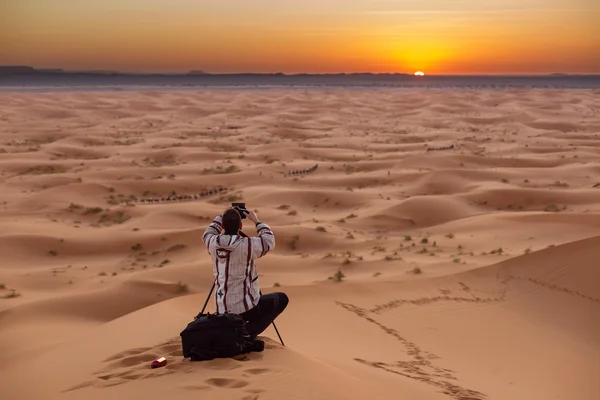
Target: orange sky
(291, 36)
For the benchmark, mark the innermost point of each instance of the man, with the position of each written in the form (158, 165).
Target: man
(233, 255)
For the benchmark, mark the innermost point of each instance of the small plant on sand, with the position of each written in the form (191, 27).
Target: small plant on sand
(53, 253)
(92, 210)
(349, 236)
(292, 212)
(114, 274)
(425, 240)
(44, 169)
(164, 262)
(346, 261)
(74, 206)
(136, 247)
(294, 241)
(102, 274)
(498, 251)
(276, 284)
(352, 216)
(176, 247)
(112, 201)
(450, 236)
(338, 276)
(12, 294)
(416, 270)
(527, 250)
(229, 170)
(233, 197)
(504, 180)
(321, 229)
(407, 238)
(2, 286)
(182, 287)
(119, 218)
(554, 208)
(456, 260)
(283, 207)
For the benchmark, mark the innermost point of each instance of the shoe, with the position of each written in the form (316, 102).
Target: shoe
(257, 345)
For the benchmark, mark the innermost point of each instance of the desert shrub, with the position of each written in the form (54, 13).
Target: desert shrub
(338, 276)
(182, 287)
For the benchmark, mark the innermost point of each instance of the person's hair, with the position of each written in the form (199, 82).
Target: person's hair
(231, 221)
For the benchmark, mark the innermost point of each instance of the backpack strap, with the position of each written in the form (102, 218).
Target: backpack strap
(247, 286)
(249, 252)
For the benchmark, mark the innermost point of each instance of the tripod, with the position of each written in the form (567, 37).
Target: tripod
(208, 297)
(260, 291)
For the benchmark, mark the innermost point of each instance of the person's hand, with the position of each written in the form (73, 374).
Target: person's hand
(252, 216)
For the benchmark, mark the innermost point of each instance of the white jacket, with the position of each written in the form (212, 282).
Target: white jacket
(237, 286)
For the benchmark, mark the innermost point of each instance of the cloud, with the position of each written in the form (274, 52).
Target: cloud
(453, 7)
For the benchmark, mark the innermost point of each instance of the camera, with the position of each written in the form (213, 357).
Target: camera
(241, 208)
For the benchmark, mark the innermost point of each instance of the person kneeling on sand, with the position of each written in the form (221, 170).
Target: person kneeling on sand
(233, 255)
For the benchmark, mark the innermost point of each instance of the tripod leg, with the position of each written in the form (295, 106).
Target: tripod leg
(278, 335)
(274, 326)
(208, 297)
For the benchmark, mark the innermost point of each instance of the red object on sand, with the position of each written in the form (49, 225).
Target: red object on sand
(159, 362)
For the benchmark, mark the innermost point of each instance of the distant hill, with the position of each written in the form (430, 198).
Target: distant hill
(17, 69)
(28, 70)
(26, 76)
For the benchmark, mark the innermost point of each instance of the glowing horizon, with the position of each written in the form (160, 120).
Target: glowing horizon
(452, 37)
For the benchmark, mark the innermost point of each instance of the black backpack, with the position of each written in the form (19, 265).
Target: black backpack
(212, 336)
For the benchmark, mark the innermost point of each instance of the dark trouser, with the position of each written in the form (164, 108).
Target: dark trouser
(268, 308)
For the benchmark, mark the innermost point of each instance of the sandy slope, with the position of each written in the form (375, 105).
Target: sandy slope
(469, 273)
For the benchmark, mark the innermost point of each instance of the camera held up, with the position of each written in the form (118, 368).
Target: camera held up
(241, 208)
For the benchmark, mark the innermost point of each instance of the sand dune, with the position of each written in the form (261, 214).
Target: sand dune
(469, 271)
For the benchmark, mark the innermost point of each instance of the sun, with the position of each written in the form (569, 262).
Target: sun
(419, 73)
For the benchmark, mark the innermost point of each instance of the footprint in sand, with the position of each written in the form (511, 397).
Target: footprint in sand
(227, 383)
(224, 364)
(257, 371)
(129, 375)
(134, 360)
(134, 364)
(253, 394)
(196, 387)
(126, 353)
